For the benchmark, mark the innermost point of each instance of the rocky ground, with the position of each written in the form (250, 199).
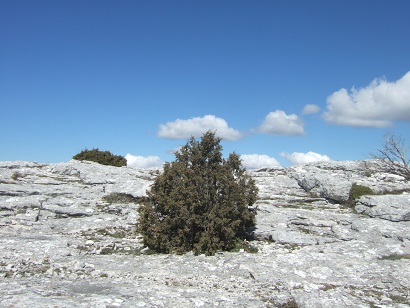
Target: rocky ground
(68, 239)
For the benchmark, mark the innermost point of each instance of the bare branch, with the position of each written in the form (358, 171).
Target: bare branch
(393, 156)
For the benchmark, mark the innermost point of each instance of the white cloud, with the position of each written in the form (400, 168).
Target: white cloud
(304, 158)
(143, 161)
(279, 123)
(377, 105)
(256, 161)
(311, 109)
(183, 129)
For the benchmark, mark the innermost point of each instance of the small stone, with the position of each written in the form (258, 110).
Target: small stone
(78, 265)
(89, 266)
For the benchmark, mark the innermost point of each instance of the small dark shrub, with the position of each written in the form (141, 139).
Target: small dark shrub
(201, 202)
(16, 175)
(101, 157)
(121, 198)
(395, 257)
(359, 190)
(290, 304)
(356, 192)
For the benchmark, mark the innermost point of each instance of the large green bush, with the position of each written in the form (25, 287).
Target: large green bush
(101, 157)
(201, 202)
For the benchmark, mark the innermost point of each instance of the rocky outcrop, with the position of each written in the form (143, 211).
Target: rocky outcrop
(68, 239)
(334, 184)
(390, 207)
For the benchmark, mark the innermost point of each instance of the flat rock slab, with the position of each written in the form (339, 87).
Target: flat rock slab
(63, 245)
(389, 207)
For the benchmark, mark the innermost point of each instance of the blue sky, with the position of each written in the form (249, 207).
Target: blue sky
(282, 82)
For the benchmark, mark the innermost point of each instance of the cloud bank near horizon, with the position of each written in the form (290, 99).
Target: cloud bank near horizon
(257, 161)
(249, 161)
(377, 105)
(143, 162)
(298, 158)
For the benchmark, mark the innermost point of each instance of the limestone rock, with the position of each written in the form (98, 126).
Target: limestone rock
(390, 207)
(62, 244)
(330, 180)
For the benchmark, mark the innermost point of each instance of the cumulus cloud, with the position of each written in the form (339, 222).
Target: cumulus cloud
(377, 105)
(279, 123)
(304, 158)
(183, 129)
(143, 161)
(256, 161)
(311, 109)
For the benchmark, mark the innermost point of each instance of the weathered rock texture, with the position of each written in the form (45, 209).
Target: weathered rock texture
(68, 239)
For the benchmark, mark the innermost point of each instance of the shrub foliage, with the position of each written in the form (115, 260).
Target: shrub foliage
(121, 198)
(356, 192)
(101, 157)
(359, 190)
(201, 202)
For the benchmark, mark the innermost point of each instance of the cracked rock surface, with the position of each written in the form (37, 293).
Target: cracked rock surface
(68, 239)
